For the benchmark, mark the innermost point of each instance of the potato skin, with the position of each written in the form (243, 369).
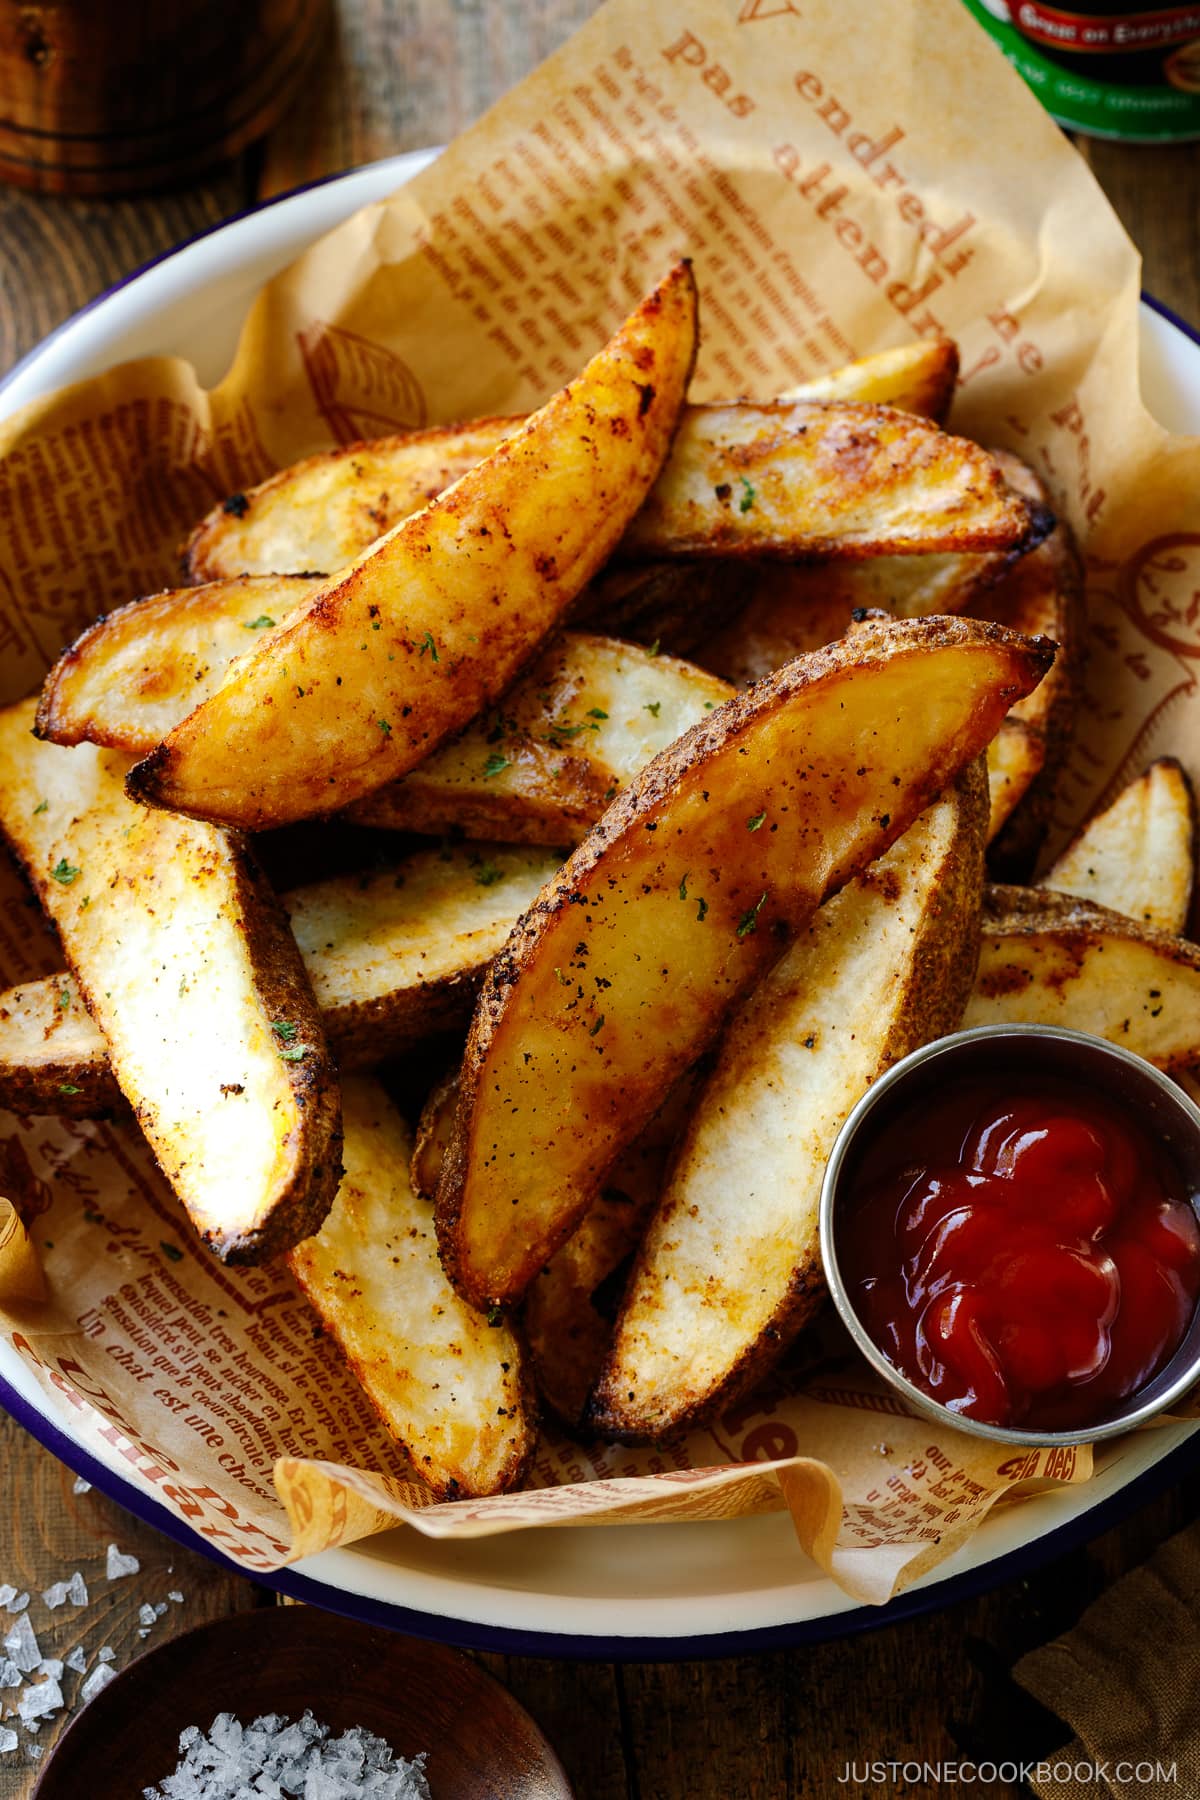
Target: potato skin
(511, 1192)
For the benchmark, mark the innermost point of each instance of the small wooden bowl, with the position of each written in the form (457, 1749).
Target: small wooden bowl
(481, 1745)
(97, 98)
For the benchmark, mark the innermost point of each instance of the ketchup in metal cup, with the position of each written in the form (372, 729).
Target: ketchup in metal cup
(1022, 1250)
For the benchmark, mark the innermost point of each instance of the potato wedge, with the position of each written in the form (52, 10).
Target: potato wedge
(679, 900)
(393, 957)
(1138, 856)
(543, 765)
(184, 959)
(1049, 959)
(1014, 758)
(1042, 595)
(449, 1386)
(785, 478)
(917, 378)
(730, 1267)
(429, 626)
(791, 608)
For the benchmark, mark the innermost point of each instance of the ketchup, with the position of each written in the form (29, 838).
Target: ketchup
(1028, 1261)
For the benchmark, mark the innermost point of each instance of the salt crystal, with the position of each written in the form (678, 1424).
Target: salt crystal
(10, 1675)
(144, 1632)
(282, 1758)
(117, 1564)
(160, 1609)
(50, 1665)
(55, 1595)
(7, 1593)
(77, 1589)
(77, 1659)
(40, 1702)
(105, 1653)
(18, 1604)
(146, 1614)
(80, 1486)
(99, 1678)
(8, 1740)
(22, 1645)
(175, 1595)
(34, 1751)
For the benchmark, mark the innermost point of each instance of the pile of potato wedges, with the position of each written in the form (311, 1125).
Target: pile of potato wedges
(648, 765)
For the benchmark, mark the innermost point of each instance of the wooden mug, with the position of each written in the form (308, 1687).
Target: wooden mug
(118, 96)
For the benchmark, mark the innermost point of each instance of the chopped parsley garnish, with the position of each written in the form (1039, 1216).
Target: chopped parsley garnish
(749, 495)
(64, 872)
(495, 1315)
(428, 643)
(64, 999)
(494, 765)
(595, 1028)
(754, 823)
(683, 887)
(43, 806)
(653, 649)
(257, 624)
(284, 1030)
(702, 911)
(68, 1087)
(172, 1252)
(488, 875)
(385, 727)
(748, 923)
(296, 1053)
(653, 707)
(597, 712)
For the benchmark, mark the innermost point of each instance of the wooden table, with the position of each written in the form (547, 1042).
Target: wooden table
(774, 1727)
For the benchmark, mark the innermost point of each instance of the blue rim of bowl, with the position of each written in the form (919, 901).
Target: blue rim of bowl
(469, 1634)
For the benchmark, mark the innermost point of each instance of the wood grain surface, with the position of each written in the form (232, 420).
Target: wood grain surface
(397, 74)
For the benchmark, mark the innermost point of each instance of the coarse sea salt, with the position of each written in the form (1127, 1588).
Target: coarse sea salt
(105, 1653)
(80, 1486)
(40, 1702)
(50, 1665)
(18, 1603)
(282, 1758)
(99, 1678)
(8, 1740)
(22, 1645)
(76, 1659)
(116, 1563)
(10, 1675)
(146, 1614)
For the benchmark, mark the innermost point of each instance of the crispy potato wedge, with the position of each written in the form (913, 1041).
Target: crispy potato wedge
(1014, 758)
(1138, 856)
(431, 624)
(730, 1267)
(1043, 596)
(1049, 959)
(132, 677)
(184, 959)
(790, 608)
(679, 900)
(449, 1386)
(393, 957)
(917, 378)
(786, 478)
(824, 478)
(543, 765)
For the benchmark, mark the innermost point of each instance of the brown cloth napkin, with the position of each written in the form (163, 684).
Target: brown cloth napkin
(1127, 1679)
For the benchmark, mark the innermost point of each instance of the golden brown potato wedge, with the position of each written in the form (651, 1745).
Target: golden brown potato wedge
(393, 957)
(679, 900)
(786, 478)
(449, 1386)
(1043, 595)
(1049, 959)
(137, 672)
(397, 652)
(730, 1267)
(790, 608)
(1138, 856)
(543, 765)
(918, 378)
(1014, 758)
(184, 959)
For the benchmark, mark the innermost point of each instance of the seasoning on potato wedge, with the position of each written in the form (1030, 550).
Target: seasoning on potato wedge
(393, 956)
(390, 657)
(730, 1267)
(449, 1384)
(184, 959)
(682, 896)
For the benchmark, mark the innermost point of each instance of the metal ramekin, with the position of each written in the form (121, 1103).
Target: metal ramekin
(1152, 1096)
